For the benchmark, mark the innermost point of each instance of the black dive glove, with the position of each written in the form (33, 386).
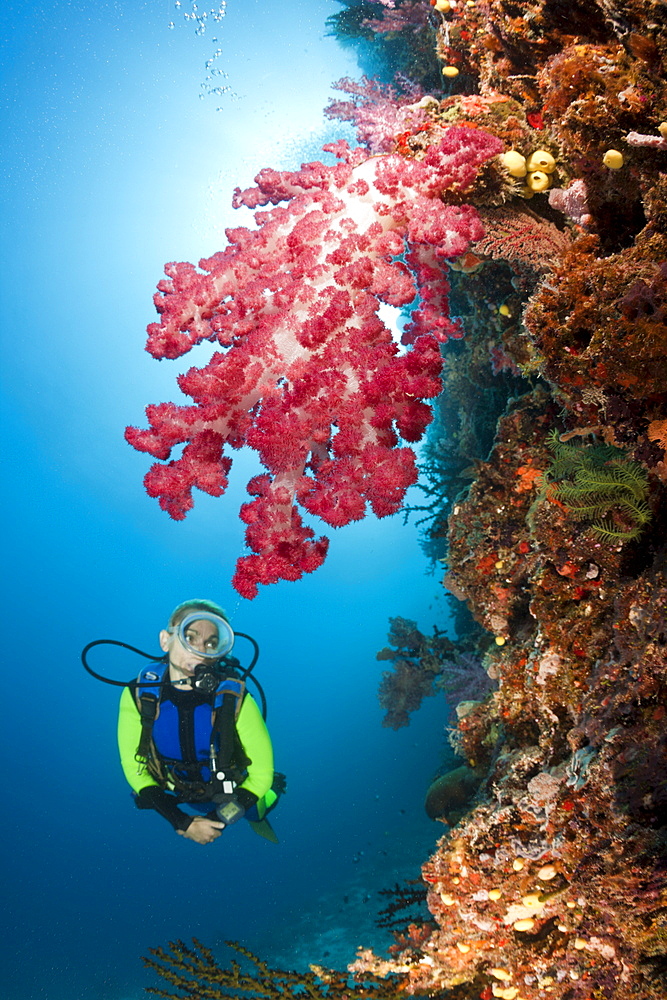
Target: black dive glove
(245, 798)
(153, 797)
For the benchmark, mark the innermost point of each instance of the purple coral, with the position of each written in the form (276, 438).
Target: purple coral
(463, 678)
(421, 665)
(652, 141)
(572, 201)
(644, 301)
(377, 111)
(412, 14)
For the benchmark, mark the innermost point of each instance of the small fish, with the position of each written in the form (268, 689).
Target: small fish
(467, 263)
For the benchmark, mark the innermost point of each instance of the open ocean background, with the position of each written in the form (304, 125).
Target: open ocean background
(116, 160)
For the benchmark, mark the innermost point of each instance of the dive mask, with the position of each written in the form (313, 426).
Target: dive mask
(205, 634)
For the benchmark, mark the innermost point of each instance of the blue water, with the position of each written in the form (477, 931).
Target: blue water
(112, 165)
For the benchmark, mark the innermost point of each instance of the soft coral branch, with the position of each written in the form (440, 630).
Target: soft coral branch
(308, 375)
(377, 111)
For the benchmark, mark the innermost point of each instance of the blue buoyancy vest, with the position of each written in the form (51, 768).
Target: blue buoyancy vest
(167, 735)
(208, 763)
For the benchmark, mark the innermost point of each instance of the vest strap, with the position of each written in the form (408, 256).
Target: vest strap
(224, 747)
(148, 692)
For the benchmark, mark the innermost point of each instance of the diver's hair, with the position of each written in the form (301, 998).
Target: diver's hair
(197, 604)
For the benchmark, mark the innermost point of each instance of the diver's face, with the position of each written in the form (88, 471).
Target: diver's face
(202, 636)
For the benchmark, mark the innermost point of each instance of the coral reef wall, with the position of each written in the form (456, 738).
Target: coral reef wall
(552, 885)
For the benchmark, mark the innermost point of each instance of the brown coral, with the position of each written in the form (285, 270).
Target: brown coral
(599, 322)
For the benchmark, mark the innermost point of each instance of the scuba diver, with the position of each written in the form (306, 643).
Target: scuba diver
(193, 742)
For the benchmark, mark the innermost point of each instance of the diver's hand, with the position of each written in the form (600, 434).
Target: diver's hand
(203, 830)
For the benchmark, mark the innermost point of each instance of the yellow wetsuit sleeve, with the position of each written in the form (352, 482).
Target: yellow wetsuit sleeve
(129, 734)
(251, 729)
(256, 743)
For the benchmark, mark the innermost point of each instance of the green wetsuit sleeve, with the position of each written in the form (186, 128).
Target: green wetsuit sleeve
(129, 734)
(256, 743)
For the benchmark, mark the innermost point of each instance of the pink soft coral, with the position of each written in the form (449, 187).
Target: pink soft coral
(377, 111)
(307, 374)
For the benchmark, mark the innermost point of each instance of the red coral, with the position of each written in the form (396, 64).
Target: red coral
(521, 237)
(308, 375)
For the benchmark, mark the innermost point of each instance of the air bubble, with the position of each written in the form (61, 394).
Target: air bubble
(201, 19)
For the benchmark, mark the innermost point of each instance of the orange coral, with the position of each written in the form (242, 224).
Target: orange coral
(529, 477)
(657, 431)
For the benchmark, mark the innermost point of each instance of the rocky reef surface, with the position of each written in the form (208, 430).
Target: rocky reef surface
(552, 883)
